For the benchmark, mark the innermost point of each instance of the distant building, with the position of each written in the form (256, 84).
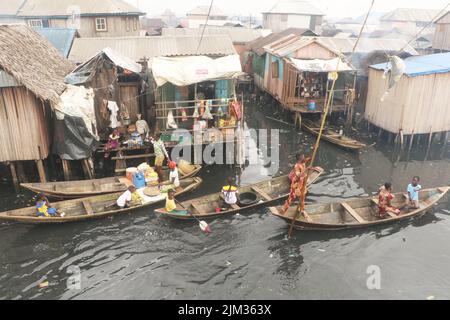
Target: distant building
(153, 26)
(169, 18)
(408, 20)
(293, 14)
(100, 18)
(8, 11)
(441, 40)
(197, 16)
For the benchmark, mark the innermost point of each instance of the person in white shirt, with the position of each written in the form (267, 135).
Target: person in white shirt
(173, 175)
(125, 199)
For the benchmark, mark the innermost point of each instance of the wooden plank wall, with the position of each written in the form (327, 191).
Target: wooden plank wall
(24, 126)
(416, 104)
(129, 97)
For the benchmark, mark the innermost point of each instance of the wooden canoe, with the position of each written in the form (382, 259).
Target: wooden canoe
(87, 188)
(332, 137)
(89, 208)
(356, 213)
(267, 192)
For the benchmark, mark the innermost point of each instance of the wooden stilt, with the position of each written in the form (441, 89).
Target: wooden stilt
(21, 173)
(444, 138)
(41, 171)
(14, 177)
(66, 170)
(430, 139)
(411, 139)
(380, 131)
(402, 138)
(298, 120)
(391, 137)
(88, 173)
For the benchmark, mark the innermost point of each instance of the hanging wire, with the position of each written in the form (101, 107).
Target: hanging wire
(204, 27)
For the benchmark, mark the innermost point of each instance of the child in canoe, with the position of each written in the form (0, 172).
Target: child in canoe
(129, 196)
(171, 205)
(44, 208)
(385, 197)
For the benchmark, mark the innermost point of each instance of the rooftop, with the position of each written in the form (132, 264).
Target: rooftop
(295, 7)
(422, 65)
(64, 8)
(61, 38)
(33, 61)
(410, 15)
(203, 11)
(238, 35)
(137, 48)
(10, 7)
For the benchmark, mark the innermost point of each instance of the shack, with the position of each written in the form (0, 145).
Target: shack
(256, 59)
(418, 103)
(31, 79)
(116, 81)
(297, 76)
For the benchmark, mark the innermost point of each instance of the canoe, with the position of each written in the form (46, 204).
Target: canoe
(356, 213)
(332, 137)
(90, 208)
(267, 192)
(87, 188)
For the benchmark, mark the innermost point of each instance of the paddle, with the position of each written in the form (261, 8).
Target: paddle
(202, 224)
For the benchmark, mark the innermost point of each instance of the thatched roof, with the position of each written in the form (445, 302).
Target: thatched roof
(33, 61)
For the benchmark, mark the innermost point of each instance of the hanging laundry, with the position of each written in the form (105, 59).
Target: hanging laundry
(207, 115)
(196, 113)
(171, 124)
(236, 110)
(114, 109)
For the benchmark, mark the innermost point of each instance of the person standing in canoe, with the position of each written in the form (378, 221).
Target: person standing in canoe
(173, 175)
(385, 197)
(297, 177)
(161, 154)
(230, 193)
(413, 193)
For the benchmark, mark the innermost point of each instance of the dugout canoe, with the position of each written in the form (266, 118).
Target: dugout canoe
(90, 208)
(87, 188)
(357, 213)
(267, 192)
(332, 137)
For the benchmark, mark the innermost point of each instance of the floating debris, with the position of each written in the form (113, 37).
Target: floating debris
(43, 285)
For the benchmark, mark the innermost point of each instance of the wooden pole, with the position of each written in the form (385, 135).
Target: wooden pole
(66, 169)
(41, 171)
(21, 173)
(402, 138)
(14, 177)
(411, 139)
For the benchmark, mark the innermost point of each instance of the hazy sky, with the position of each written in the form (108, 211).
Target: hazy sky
(333, 8)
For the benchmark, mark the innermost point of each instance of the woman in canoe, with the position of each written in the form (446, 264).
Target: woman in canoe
(297, 177)
(44, 208)
(230, 193)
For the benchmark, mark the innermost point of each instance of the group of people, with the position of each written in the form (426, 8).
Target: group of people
(385, 198)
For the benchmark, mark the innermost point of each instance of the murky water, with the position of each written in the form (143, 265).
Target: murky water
(247, 256)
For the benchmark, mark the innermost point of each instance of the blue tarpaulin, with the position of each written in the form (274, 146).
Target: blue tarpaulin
(60, 38)
(422, 65)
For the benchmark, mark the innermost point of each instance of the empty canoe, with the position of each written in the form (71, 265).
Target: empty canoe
(356, 213)
(87, 188)
(91, 208)
(265, 193)
(332, 137)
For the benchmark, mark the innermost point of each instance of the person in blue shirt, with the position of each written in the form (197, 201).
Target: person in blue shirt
(413, 193)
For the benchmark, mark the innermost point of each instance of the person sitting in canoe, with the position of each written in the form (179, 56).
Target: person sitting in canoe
(44, 208)
(413, 193)
(171, 206)
(173, 175)
(230, 193)
(297, 177)
(385, 197)
(128, 197)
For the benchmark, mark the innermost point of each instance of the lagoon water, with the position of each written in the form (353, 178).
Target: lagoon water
(247, 256)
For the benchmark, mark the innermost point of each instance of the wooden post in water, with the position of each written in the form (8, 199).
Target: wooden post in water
(411, 139)
(66, 169)
(14, 177)
(41, 171)
(21, 173)
(402, 138)
(87, 169)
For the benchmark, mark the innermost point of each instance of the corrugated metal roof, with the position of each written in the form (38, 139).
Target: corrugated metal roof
(291, 44)
(366, 45)
(410, 14)
(295, 7)
(422, 65)
(137, 48)
(10, 7)
(258, 45)
(7, 80)
(238, 35)
(61, 38)
(50, 8)
(203, 11)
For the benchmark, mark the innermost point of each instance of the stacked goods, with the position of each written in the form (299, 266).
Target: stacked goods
(185, 167)
(130, 173)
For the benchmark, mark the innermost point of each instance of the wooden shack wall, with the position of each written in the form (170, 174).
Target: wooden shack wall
(418, 105)
(441, 39)
(24, 126)
(274, 85)
(129, 93)
(313, 51)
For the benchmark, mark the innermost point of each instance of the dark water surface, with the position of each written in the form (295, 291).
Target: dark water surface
(247, 256)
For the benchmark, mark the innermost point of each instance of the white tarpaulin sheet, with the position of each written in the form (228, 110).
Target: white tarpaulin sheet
(77, 101)
(122, 61)
(185, 71)
(318, 65)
